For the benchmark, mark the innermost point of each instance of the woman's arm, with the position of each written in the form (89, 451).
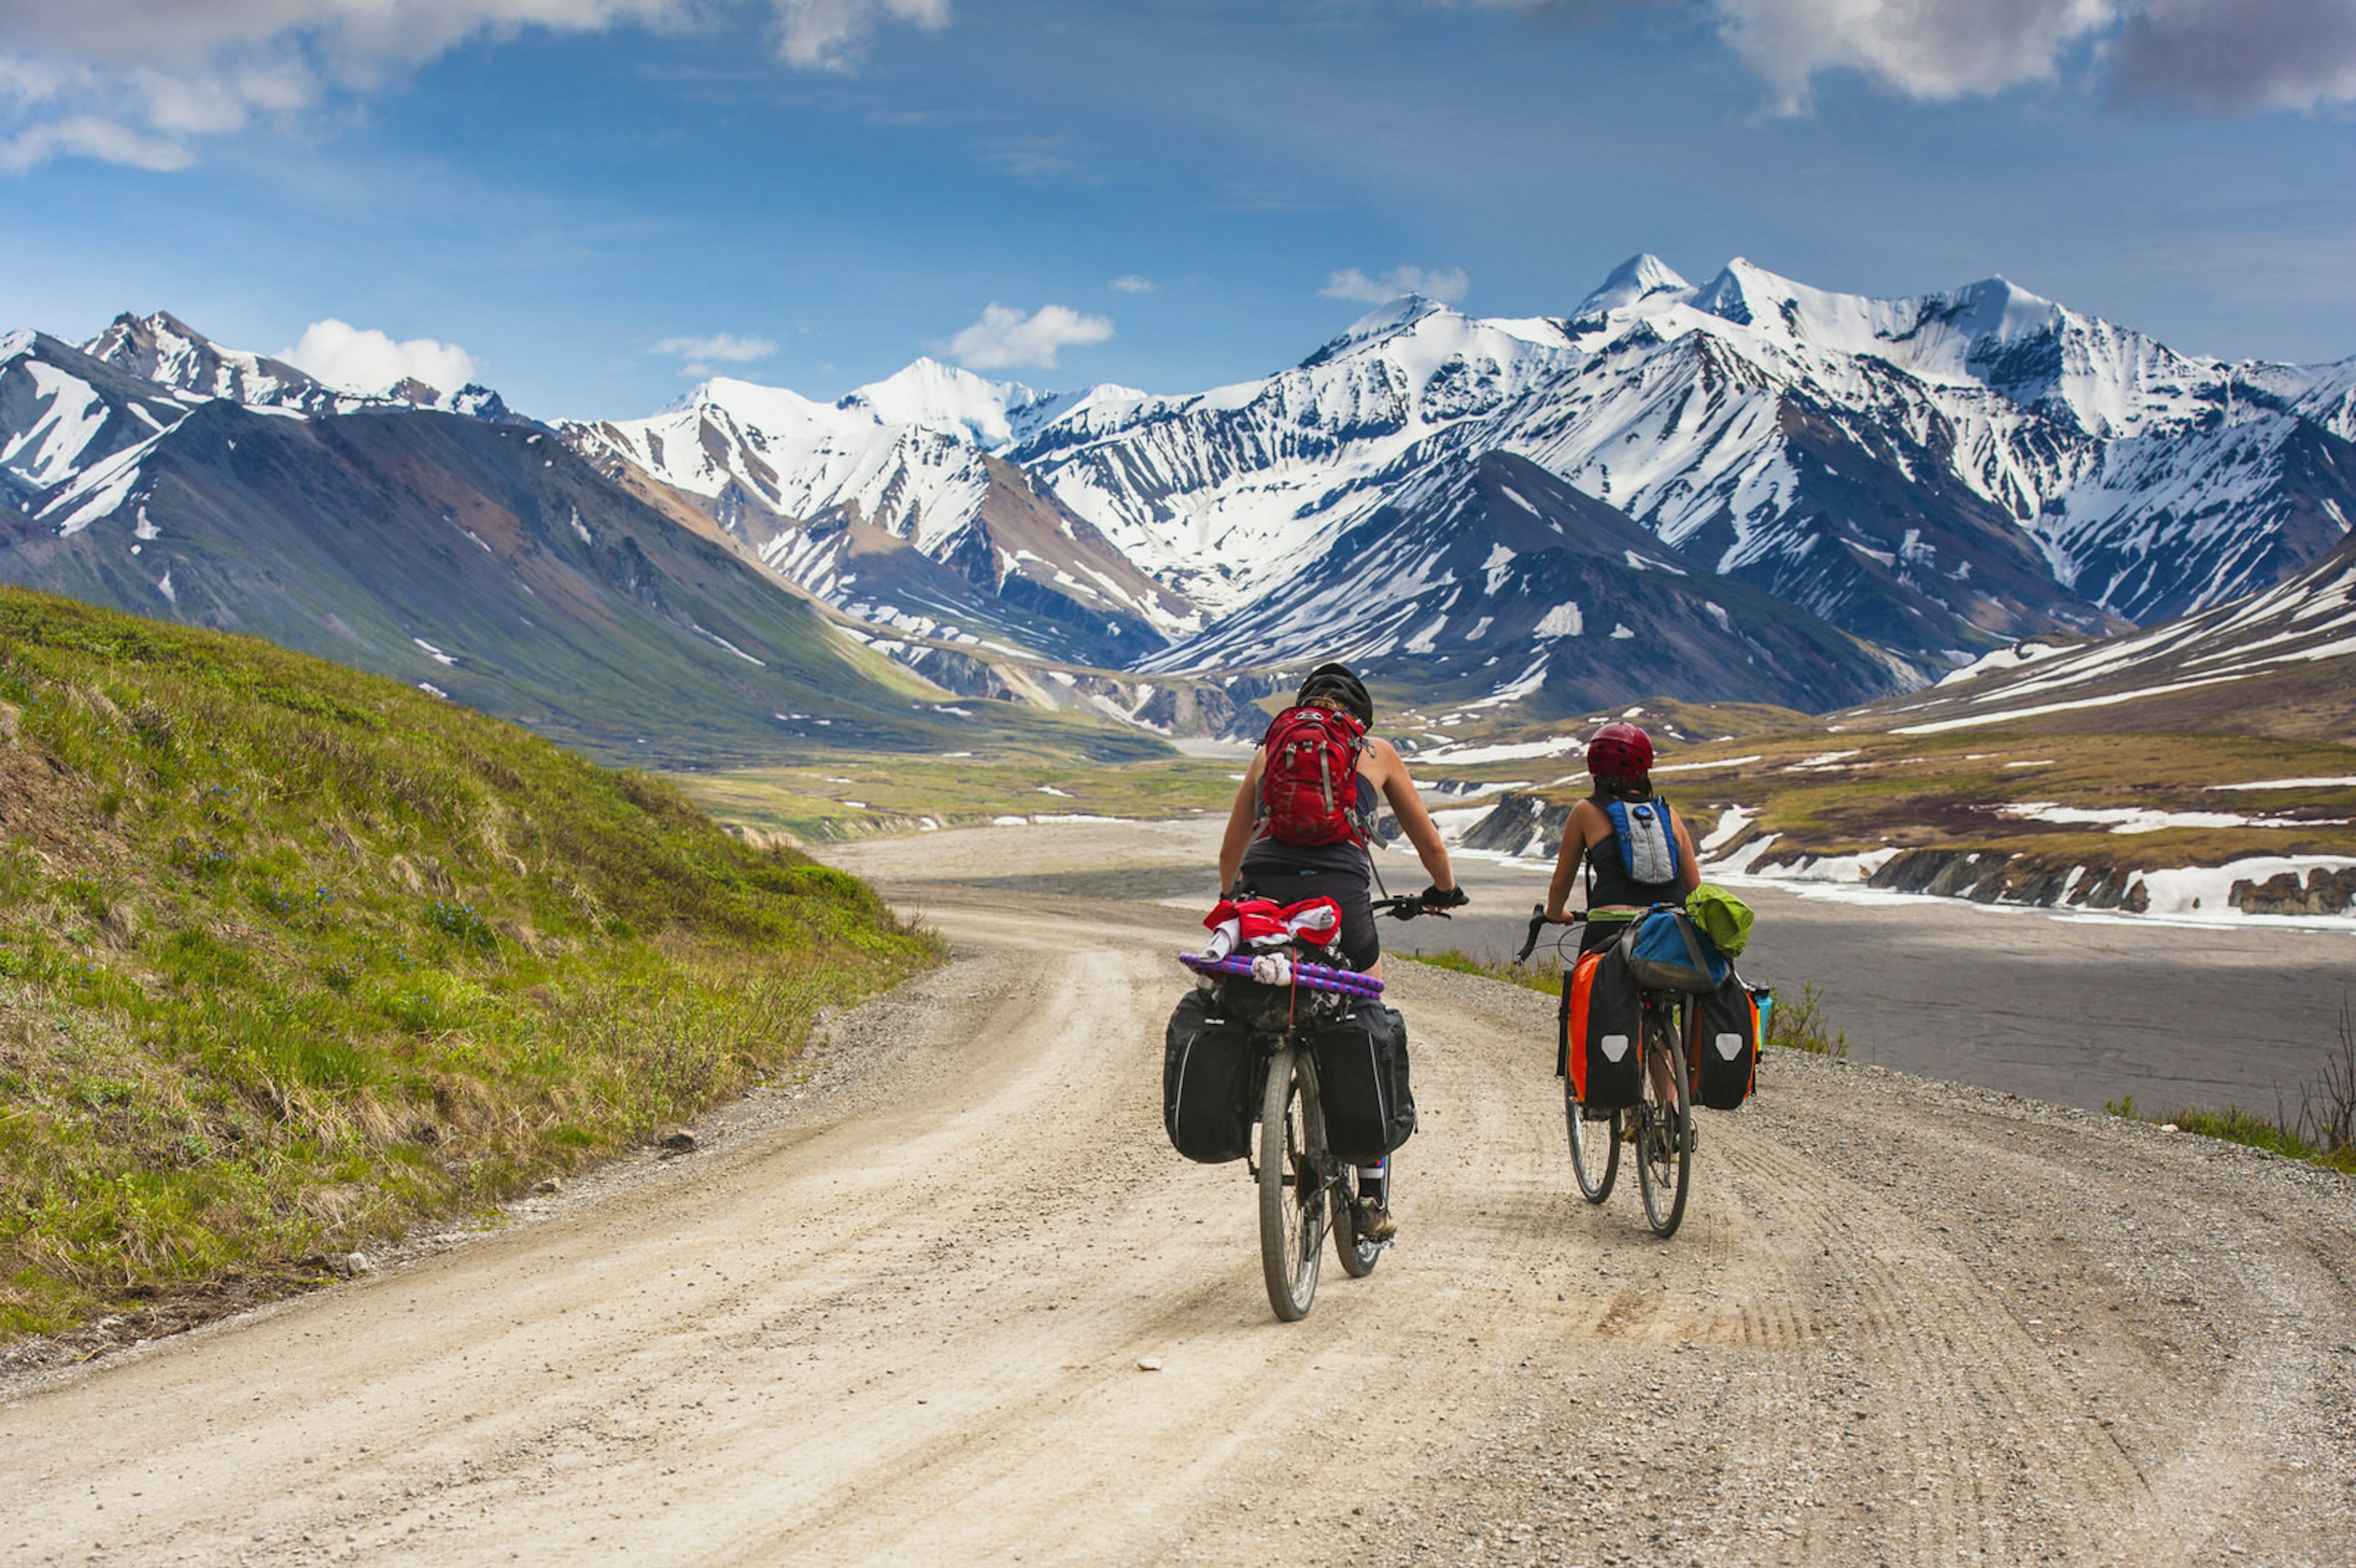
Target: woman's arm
(1240, 819)
(1568, 859)
(1414, 821)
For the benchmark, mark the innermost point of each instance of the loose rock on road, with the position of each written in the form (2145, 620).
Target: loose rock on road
(908, 1314)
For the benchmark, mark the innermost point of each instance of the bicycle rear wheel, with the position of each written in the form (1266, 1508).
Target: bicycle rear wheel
(1293, 1201)
(1359, 1257)
(1665, 1129)
(1594, 1147)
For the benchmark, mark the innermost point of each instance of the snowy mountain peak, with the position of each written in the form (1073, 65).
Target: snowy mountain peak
(1638, 278)
(162, 348)
(944, 398)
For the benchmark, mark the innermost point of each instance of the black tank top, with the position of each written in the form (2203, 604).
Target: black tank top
(1608, 882)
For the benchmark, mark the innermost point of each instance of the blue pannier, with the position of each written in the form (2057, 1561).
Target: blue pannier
(1666, 952)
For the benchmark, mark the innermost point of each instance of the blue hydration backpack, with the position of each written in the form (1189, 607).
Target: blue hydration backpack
(1648, 845)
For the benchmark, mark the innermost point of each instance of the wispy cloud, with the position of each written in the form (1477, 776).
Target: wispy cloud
(142, 82)
(1006, 339)
(1130, 283)
(832, 35)
(363, 359)
(699, 356)
(1446, 284)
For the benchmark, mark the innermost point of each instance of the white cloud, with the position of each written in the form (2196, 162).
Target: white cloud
(136, 81)
(1446, 284)
(1005, 338)
(698, 354)
(365, 360)
(1130, 283)
(1923, 48)
(832, 35)
(90, 136)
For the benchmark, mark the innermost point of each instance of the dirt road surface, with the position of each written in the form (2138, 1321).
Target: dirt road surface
(903, 1310)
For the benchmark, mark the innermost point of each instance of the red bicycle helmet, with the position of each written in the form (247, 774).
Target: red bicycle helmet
(1619, 750)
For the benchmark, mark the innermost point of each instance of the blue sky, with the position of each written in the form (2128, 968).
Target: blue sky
(588, 198)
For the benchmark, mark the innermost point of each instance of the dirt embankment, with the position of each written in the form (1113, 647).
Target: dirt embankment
(901, 1312)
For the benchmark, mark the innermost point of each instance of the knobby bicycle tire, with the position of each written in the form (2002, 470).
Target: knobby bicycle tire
(1664, 1132)
(1292, 1200)
(1592, 1145)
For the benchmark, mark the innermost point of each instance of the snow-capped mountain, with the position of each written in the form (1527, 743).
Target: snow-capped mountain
(1491, 580)
(892, 503)
(1938, 475)
(475, 557)
(1935, 473)
(162, 349)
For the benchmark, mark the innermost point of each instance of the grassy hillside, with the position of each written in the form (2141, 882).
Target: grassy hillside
(291, 957)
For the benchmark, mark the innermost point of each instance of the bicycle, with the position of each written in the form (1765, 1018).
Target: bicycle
(1659, 1126)
(1305, 1191)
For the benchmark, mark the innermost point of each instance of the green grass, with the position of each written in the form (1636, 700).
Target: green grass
(1799, 1024)
(851, 797)
(1542, 975)
(293, 958)
(2234, 1125)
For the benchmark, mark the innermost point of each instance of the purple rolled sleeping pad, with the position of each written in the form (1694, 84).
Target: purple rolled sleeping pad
(1316, 977)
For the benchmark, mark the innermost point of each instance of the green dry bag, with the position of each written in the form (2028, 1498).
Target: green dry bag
(1723, 918)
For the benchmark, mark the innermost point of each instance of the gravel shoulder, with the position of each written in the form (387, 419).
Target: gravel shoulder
(896, 1311)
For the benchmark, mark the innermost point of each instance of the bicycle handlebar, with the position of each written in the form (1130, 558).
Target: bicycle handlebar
(1538, 922)
(1406, 906)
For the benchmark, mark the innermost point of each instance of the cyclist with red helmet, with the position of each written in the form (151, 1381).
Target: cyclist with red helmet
(1655, 865)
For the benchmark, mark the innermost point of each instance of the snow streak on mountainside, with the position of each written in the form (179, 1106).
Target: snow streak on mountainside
(2276, 662)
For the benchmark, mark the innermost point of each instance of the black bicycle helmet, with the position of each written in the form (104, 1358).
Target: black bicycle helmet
(1334, 682)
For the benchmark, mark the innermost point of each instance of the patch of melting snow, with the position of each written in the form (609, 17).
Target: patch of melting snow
(2138, 819)
(2291, 784)
(1731, 824)
(1704, 767)
(436, 655)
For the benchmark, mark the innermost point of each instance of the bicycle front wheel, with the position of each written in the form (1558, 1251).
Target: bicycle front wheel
(1293, 1201)
(1594, 1146)
(1665, 1129)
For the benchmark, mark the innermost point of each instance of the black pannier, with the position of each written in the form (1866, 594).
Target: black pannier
(1725, 1045)
(1603, 1018)
(1362, 1076)
(1209, 1080)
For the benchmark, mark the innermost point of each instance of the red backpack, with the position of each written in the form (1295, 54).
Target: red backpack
(1309, 789)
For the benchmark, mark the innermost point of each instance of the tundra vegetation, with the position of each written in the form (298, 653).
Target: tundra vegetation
(294, 958)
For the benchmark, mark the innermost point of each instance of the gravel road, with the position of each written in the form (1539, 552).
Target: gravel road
(899, 1310)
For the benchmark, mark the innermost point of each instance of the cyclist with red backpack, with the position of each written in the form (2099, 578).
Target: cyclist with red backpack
(1302, 826)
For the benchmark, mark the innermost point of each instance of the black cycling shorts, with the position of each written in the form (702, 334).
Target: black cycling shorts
(1360, 945)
